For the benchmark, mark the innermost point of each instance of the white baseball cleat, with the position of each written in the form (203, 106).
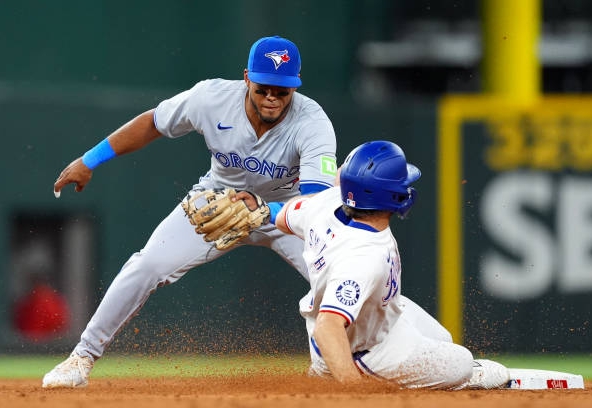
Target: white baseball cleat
(488, 375)
(70, 373)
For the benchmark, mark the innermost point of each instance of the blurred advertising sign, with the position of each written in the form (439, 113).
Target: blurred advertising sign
(515, 222)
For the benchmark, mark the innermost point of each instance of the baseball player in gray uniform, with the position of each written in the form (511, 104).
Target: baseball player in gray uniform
(263, 136)
(359, 324)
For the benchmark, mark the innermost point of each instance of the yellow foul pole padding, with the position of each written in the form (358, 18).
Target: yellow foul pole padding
(511, 65)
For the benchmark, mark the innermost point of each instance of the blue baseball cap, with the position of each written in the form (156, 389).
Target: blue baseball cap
(274, 61)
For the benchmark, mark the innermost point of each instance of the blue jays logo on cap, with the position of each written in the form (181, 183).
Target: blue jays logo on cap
(274, 61)
(278, 57)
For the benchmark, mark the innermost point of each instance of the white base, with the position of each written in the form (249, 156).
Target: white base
(530, 379)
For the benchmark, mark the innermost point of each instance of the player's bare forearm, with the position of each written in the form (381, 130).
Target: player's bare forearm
(135, 134)
(331, 338)
(132, 136)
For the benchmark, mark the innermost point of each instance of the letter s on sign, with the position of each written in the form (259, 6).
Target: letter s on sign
(520, 234)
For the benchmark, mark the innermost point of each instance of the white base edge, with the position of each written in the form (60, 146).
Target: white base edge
(531, 379)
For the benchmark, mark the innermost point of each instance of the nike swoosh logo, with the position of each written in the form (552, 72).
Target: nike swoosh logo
(223, 127)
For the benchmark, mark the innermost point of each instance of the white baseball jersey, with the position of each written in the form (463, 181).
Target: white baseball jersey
(354, 270)
(299, 151)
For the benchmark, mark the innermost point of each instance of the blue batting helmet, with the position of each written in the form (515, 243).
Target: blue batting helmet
(376, 176)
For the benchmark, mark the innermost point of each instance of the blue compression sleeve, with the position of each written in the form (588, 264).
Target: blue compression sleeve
(312, 188)
(101, 153)
(274, 209)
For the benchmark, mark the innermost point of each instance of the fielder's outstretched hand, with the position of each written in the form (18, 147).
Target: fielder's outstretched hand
(76, 172)
(225, 215)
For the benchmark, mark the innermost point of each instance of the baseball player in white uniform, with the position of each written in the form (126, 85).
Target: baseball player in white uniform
(263, 136)
(358, 322)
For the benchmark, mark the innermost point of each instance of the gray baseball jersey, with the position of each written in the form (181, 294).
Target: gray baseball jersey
(298, 152)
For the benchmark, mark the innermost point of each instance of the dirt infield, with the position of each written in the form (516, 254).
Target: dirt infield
(265, 390)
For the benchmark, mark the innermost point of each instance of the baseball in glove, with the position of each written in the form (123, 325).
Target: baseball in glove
(220, 219)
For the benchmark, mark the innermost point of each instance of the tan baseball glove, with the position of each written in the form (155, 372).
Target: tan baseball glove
(222, 220)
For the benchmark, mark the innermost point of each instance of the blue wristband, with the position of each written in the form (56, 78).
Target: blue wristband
(274, 210)
(101, 153)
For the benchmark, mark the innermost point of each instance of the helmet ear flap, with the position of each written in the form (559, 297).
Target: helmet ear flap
(406, 205)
